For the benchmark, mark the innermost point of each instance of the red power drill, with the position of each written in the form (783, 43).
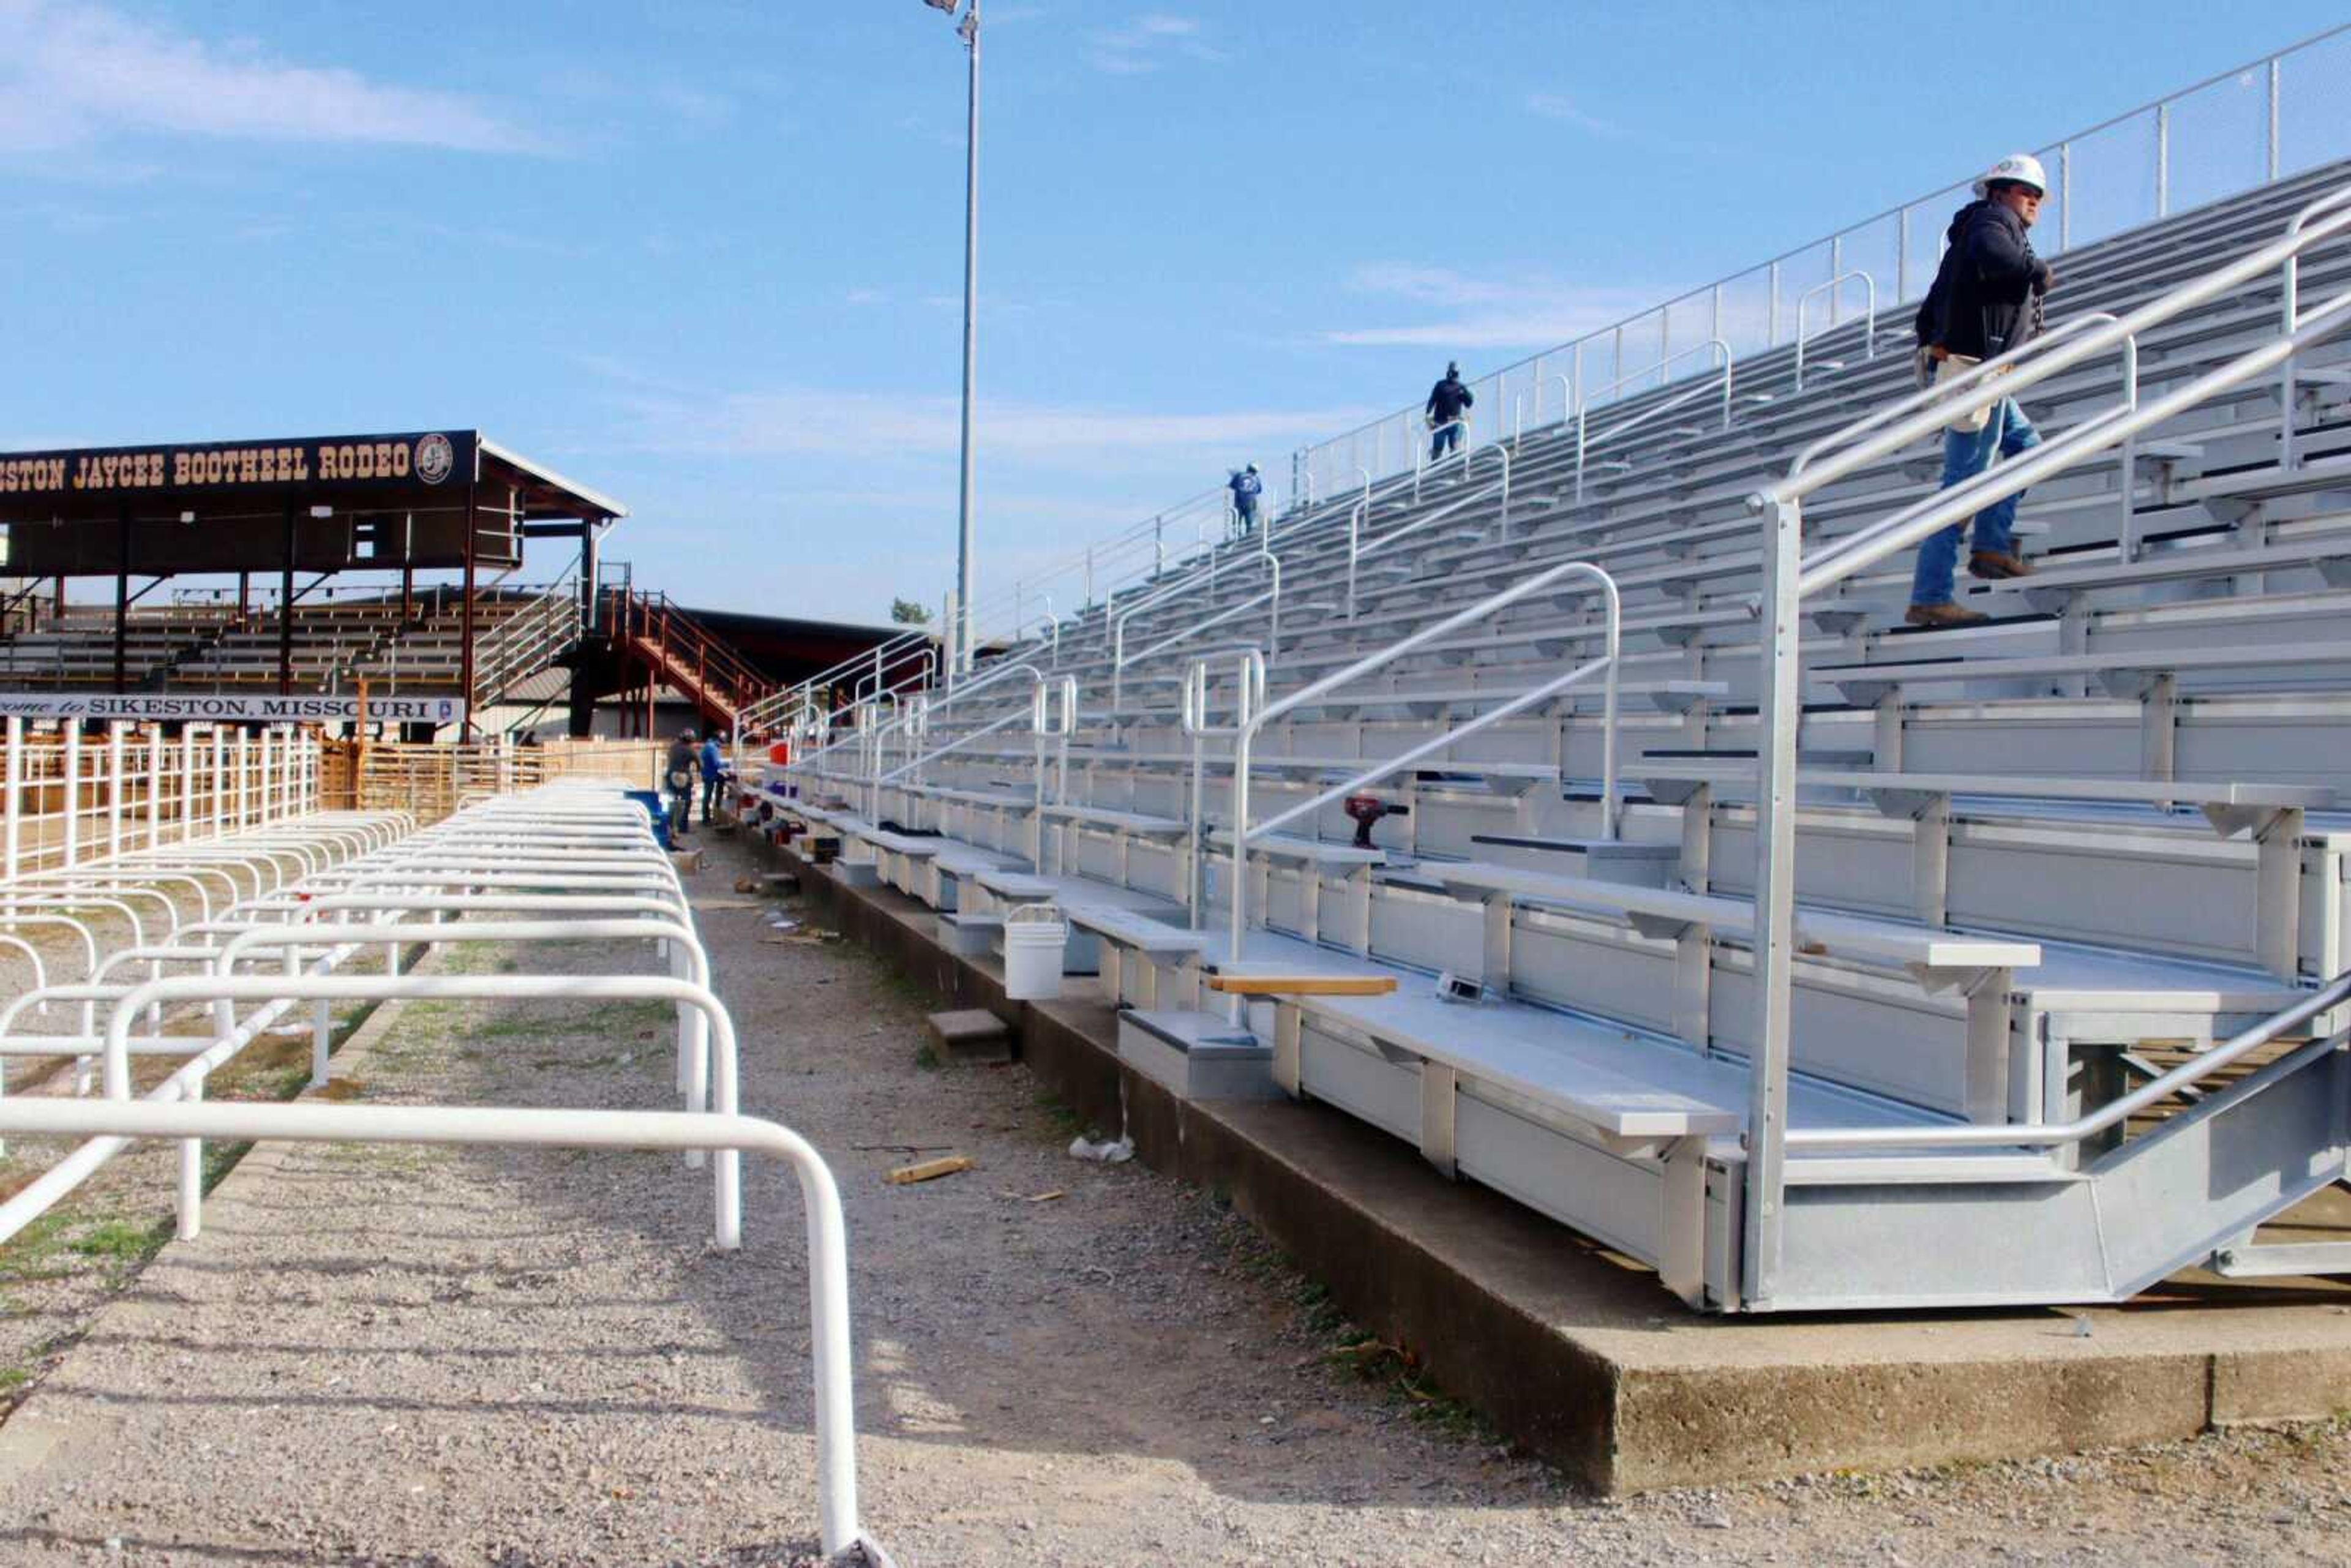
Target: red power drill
(1366, 809)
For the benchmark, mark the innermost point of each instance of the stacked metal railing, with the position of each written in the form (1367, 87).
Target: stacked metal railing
(257, 922)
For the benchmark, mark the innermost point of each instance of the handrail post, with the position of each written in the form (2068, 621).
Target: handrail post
(1500, 451)
(1354, 551)
(2064, 197)
(2275, 61)
(1780, 715)
(2163, 159)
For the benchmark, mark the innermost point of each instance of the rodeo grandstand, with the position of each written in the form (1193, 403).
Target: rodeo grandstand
(1547, 885)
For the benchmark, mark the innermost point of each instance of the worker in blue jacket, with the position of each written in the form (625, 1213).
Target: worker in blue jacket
(714, 765)
(1246, 487)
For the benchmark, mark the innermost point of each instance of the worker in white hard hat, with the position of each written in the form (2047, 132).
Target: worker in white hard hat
(1987, 300)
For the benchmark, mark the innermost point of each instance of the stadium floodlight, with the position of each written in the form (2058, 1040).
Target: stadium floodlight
(959, 639)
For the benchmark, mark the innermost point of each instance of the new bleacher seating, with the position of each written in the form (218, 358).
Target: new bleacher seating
(2026, 851)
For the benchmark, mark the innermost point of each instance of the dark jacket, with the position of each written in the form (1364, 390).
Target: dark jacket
(1986, 295)
(1448, 399)
(1245, 488)
(678, 772)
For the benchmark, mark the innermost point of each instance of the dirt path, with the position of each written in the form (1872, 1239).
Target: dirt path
(466, 1357)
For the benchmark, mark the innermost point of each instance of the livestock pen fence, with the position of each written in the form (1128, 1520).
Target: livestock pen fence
(68, 796)
(432, 782)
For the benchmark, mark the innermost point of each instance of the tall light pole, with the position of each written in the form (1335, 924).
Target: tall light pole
(968, 31)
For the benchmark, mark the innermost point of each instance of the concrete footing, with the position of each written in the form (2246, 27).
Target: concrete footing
(1585, 1358)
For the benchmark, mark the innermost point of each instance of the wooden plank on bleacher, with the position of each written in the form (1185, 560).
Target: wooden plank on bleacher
(1303, 984)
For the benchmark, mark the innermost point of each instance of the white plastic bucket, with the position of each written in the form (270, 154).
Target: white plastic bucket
(1033, 942)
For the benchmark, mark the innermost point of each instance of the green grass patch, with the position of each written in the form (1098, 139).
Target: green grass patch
(32, 1253)
(123, 1242)
(927, 1059)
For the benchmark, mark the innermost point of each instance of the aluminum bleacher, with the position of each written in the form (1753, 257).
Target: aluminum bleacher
(1817, 961)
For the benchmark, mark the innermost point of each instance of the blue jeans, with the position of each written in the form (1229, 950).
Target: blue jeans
(709, 795)
(1966, 454)
(1447, 438)
(1245, 517)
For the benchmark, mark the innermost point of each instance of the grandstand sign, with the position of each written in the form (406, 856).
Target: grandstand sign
(299, 707)
(344, 461)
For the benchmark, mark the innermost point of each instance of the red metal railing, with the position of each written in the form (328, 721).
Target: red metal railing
(684, 654)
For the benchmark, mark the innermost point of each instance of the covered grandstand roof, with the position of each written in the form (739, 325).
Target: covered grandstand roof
(348, 501)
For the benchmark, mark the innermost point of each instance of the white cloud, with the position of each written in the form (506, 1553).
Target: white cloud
(76, 75)
(807, 422)
(1523, 310)
(1559, 107)
(1148, 42)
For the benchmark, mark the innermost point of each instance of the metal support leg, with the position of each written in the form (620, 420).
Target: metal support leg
(1775, 889)
(1439, 1085)
(2278, 902)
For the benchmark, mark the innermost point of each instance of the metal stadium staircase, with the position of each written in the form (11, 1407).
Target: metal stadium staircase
(683, 654)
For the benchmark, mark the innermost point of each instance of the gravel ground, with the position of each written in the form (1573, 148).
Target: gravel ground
(59, 1273)
(509, 1358)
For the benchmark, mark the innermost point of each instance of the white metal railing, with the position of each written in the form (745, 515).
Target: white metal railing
(527, 641)
(1270, 599)
(1830, 289)
(67, 799)
(1250, 719)
(2212, 139)
(580, 850)
(1790, 578)
(1719, 362)
(839, 1527)
(1359, 550)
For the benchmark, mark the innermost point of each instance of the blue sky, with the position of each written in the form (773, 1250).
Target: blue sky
(707, 256)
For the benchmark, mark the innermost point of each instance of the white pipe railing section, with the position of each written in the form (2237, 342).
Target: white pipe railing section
(1250, 695)
(1118, 659)
(1715, 348)
(835, 1415)
(1868, 320)
(1250, 720)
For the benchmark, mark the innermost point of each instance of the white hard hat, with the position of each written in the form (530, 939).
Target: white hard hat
(2022, 168)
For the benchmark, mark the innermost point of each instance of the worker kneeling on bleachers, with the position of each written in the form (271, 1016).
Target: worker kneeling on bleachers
(1988, 298)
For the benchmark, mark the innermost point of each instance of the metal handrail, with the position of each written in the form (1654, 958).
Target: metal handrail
(1251, 718)
(1713, 347)
(2290, 304)
(1868, 320)
(1501, 451)
(838, 1528)
(1422, 466)
(1900, 212)
(2114, 1112)
(1250, 684)
(1118, 659)
(1789, 578)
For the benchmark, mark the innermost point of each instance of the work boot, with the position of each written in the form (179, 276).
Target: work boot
(1994, 566)
(1935, 615)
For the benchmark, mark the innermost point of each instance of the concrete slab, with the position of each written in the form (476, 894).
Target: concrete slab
(1584, 1357)
(970, 1034)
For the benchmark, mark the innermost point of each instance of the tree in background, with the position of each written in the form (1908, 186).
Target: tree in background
(906, 612)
